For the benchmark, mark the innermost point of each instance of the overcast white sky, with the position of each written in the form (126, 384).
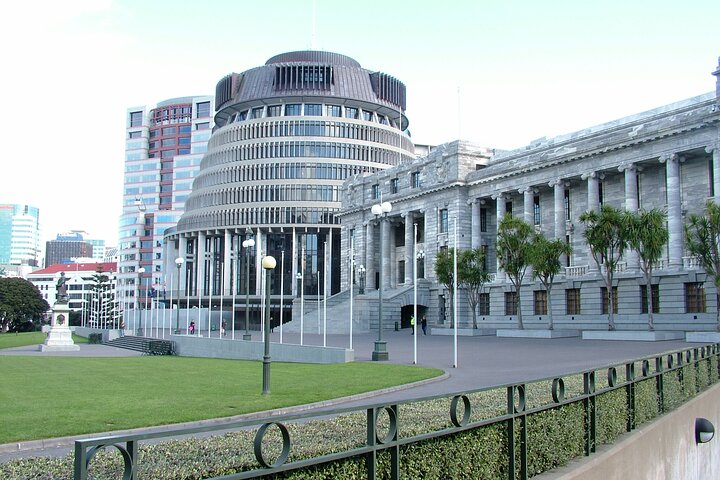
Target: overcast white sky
(499, 72)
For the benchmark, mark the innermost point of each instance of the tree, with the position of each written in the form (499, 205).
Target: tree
(514, 247)
(702, 236)
(104, 310)
(444, 271)
(545, 263)
(20, 302)
(647, 235)
(472, 275)
(606, 233)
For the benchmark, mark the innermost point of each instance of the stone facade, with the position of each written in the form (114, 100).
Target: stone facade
(666, 158)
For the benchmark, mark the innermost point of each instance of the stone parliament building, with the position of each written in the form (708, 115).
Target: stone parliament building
(665, 158)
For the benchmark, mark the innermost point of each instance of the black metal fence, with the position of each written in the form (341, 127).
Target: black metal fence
(643, 389)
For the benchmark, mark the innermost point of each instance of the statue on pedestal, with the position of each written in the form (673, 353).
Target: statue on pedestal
(61, 286)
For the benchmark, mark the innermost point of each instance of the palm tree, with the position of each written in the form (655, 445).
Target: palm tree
(702, 236)
(607, 237)
(472, 275)
(647, 235)
(514, 245)
(545, 263)
(445, 274)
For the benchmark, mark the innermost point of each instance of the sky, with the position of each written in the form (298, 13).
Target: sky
(501, 73)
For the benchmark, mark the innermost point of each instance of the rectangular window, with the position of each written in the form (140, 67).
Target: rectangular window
(540, 302)
(695, 297)
(443, 221)
(600, 193)
(313, 110)
(711, 178)
(572, 301)
(367, 116)
(536, 210)
(202, 126)
(510, 303)
(333, 111)
(483, 219)
(274, 110)
(256, 112)
(135, 134)
(483, 304)
(169, 131)
(168, 142)
(604, 295)
(292, 110)
(376, 191)
(420, 265)
(351, 112)
(567, 205)
(136, 119)
(415, 179)
(203, 109)
(655, 289)
(508, 208)
(401, 271)
(394, 185)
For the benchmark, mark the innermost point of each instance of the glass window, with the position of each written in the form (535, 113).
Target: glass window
(333, 111)
(694, 297)
(167, 153)
(274, 110)
(168, 131)
(182, 141)
(351, 112)
(510, 303)
(483, 219)
(415, 179)
(655, 298)
(313, 109)
(367, 116)
(394, 185)
(135, 134)
(572, 301)
(567, 205)
(443, 221)
(136, 119)
(540, 302)
(536, 210)
(376, 191)
(292, 110)
(203, 109)
(483, 304)
(184, 129)
(154, 133)
(168, 142)
(202, 126)
(604, 294)
(257, 112)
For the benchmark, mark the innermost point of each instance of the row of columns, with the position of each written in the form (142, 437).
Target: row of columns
(674, 208)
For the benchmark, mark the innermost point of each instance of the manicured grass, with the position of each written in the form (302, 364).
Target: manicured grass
(46, 397)
(9, 340)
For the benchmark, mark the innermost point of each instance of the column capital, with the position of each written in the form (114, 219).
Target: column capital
(585, 176)
(557, 181)
(528, 189)
(497, 196)
(712, 148)
(671, 157)
(629, 167)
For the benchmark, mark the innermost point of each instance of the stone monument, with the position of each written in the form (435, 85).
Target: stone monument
(60, 337)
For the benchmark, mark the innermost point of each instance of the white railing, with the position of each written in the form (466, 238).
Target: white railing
(691, 262)
(576, 271)
(659, 265)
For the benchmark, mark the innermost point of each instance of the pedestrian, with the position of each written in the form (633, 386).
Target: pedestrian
(192, 327)
(423, 323)
(222, 328)
(412, 325)
(122, 328)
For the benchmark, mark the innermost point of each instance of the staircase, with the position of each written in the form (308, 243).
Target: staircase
(139, 344)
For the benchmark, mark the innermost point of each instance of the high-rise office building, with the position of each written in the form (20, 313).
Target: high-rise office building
(71, 246)
(163, 149)
(19, 235)
(288, 134)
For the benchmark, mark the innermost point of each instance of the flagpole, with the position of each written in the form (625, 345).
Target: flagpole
(325, 296)
(171, 299)
(282, 291)
(415, 313)
(233, 286)
(222, 296)
(455, 332)
(352, 269)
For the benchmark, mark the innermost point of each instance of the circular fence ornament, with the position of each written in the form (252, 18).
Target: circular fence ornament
(392, 428)
(466, 410)
(612, 376)
(520, 405)
(645, 368)
(127, 459)
(257, 445)
(558, 390)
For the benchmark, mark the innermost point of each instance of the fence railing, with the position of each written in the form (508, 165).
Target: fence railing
(576, 271)
(393, 430)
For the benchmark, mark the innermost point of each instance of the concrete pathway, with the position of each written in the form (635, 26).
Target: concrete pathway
(481, 362)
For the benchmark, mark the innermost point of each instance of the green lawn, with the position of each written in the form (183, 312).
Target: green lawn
(46, 397)
(9, 340)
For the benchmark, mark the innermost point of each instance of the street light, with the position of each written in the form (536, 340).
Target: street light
(300, 277)
(141, 270)
(179, 263)
(361, 279)
(268, 263)
(247, 245)
(381, 211)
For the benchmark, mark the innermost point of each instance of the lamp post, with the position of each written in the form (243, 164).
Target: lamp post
(179, 263)
(141, 270)
(268, 263)
(361, 279)
(247, 245)
(381, 211)
(300, 277)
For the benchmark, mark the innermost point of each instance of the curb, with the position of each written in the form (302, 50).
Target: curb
(35, 445)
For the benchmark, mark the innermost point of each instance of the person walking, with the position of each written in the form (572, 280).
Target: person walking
(423, 323)
(412, 325)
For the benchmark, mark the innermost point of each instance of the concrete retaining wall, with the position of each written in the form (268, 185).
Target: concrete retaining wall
(252, 350)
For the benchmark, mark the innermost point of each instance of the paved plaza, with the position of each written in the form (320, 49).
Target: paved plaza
(482, 362)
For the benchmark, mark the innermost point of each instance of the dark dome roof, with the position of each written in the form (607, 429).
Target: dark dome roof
(314, 56)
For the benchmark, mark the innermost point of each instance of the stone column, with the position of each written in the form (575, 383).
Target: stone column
(369, 256)
(715, 152)
(475, 224)
(200, 270)
(527, 205)
(227, 263)
(499, 214)
(593, 201)
(631, 205)
(409, 243)
(558, 187)
(675, 223)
